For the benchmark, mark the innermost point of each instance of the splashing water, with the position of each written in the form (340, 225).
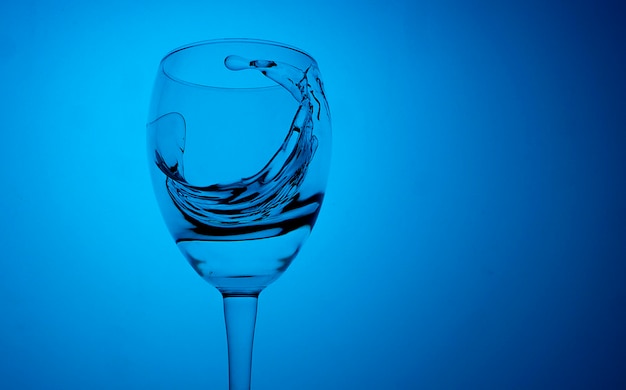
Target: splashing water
(267, 203)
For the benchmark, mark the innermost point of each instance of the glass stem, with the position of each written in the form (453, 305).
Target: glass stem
(240, 316)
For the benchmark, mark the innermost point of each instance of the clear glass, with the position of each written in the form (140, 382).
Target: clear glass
(239, 141)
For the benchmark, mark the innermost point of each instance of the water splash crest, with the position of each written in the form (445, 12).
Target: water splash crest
(267, 201)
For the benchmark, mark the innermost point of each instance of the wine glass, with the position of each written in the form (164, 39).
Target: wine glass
(239, 140)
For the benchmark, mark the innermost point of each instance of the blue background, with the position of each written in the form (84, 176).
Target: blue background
(473, 236)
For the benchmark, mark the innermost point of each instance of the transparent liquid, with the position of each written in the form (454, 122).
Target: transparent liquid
(240, 236)
(244, 265)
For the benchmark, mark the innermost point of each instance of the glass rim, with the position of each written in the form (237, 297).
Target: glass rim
(227, 40)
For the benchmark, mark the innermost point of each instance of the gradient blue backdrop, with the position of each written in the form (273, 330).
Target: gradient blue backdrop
(473, 237)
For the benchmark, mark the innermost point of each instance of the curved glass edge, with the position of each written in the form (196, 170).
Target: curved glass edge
(228, 40)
